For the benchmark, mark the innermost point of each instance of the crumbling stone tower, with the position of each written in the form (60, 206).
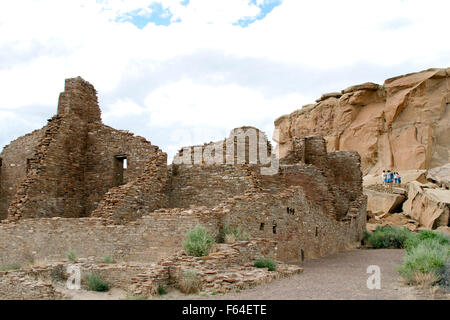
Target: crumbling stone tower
(65, 168)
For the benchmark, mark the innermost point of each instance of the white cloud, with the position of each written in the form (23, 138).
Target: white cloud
(253, 71)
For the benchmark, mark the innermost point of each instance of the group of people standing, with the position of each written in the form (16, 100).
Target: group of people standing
(391, 177)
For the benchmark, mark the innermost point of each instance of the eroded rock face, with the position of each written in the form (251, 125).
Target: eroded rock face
(402, 125)
(430, 207)
(380, 202)
(440, 175)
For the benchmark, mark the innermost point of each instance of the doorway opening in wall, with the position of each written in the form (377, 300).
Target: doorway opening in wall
(120, 165)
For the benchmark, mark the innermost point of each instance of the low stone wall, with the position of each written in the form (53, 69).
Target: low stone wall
(229, 267)
(148, 239)
(20, 285)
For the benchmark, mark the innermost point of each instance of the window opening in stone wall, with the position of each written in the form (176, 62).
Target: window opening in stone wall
(120, 164)
(274, 228)
(288, 210)
(317, 231)
(261, 226)
(302, 252)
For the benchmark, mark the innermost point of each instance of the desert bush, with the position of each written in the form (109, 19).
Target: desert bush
(427, 257)
(199, 242)
(444, 276)
(13, 266)
(190, 282)
(71, 256)
(95, 283)
(266, 263)
(427, 235)
(108, 259)
(161, 290)
(58, 273)
(388, 237)
(230, 234)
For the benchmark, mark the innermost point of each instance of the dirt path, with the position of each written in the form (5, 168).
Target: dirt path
(338, 276)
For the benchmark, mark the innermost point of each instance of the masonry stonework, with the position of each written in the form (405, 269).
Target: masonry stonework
(79, 185)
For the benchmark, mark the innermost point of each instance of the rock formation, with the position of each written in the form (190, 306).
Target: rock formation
(403, 124)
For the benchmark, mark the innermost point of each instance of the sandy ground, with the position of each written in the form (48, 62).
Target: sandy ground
(335, 277)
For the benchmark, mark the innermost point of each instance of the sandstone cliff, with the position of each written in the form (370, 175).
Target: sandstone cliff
(402, 125)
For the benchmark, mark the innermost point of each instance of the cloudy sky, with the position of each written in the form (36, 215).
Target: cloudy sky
(187, 72)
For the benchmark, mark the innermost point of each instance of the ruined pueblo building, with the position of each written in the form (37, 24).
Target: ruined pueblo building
(77, 184)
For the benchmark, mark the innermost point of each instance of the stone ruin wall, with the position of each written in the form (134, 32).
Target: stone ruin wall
(315, 199)
(147, 239)
(146, 193)
(69, 165)
(301, 228)
(13, 167)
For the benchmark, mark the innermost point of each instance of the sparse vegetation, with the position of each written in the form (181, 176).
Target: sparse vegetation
(58, 273)
(388, 237)
(427, 254)
(199, 242)
(414, 241)
(95, 283)
(444, 276)
(13, 266)
(190, 283)
(135, 297)
(71, 256)
(230, 234)
(161, 290)
(424, 261)
(108, 259)
(266, 263)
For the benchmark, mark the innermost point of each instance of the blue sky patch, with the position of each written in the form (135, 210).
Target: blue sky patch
(159, 16)
(266, 7)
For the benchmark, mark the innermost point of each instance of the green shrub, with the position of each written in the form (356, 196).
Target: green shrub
(108, 259)
(190, 283)
(427, 257)
(13, 266)
(444, 276)
(266, 263)
(199, 242)
(161, 290)
(71, 256)
(135, 297)
(427, 235)
(95, 283)
(388, 237)
(229, 234)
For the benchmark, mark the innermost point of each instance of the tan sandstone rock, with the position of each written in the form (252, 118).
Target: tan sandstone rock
(430, 207)
(402, 125)
(380, 202)
(441, 175)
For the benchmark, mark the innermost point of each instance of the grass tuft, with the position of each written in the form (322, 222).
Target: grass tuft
(199, 242)
(95, 283)
(13, 266)
(71, 256)
(266, 263)
(190, 282)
